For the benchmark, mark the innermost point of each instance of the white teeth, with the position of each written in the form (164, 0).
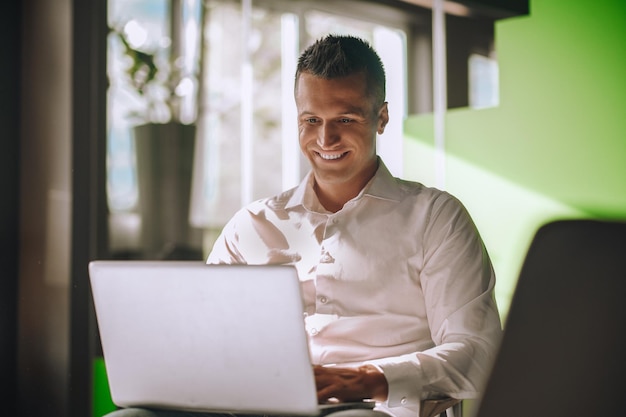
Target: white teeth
(330, 157)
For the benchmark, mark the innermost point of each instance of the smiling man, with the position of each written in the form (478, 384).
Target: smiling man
(397, 284)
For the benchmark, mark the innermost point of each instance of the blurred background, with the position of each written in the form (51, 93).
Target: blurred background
(133, 129)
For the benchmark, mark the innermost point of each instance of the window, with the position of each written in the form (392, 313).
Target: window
(142, 33)
(248, 120)
(234, 83)
(483, 82)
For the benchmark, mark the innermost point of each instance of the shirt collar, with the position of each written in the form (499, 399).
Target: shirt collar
(382, 185)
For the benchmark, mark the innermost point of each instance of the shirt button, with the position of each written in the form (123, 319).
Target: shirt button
(323, 300)
(403, 401)
(313, 331)
(327, 258)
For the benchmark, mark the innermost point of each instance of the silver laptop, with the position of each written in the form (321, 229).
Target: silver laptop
(196, 337)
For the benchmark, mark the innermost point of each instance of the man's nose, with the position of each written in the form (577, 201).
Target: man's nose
(328, 136)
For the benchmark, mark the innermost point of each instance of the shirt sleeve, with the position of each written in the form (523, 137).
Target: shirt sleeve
(250, 237)
(225, 249)
(458, 282)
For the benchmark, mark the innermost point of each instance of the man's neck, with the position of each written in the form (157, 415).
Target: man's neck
(333, 196)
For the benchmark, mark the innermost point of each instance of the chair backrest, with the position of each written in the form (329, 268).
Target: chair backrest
(563, 352)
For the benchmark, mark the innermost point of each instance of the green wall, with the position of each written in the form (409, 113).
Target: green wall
(555, 147)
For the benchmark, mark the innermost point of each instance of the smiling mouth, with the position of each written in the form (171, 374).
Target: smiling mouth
(331, 157)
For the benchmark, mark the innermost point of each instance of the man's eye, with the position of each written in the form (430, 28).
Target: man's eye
(311, 120)
(345, 120)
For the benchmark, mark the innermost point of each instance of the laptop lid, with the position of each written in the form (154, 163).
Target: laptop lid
(191, 336)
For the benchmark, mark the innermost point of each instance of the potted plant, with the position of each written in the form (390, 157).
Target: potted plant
(164, 147)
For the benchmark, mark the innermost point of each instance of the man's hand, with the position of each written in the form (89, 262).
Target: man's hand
(350, 384)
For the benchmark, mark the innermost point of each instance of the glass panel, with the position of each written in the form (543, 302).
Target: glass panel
(144, 21)
(272, 47)
(483, 82)
(226, 175)
(152, 80)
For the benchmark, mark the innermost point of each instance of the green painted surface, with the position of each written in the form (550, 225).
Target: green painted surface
(102, 403)
(555, 147)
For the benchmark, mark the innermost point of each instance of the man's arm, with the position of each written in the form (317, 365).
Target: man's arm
(458, 281)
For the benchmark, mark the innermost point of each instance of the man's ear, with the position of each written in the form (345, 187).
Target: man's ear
(383, 118)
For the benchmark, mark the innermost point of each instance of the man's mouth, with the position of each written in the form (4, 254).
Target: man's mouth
(331, 156)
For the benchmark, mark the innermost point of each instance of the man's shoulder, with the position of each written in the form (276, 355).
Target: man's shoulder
(416, 189)
(276, 202)
(428, 198)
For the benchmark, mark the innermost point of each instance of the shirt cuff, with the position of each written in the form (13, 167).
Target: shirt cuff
(404, 381)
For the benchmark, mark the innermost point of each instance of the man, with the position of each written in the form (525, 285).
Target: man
(397, 284)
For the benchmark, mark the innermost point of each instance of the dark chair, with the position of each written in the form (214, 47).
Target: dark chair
(440, 406)
(563, 352)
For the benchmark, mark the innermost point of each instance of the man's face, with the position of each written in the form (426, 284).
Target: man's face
(337, 125)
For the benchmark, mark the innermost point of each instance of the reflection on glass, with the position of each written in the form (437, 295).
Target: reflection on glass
(212, 47)
(483, 82)
(152, 70)
(273, 46)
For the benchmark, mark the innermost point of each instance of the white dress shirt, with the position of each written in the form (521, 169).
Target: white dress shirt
(399, 277)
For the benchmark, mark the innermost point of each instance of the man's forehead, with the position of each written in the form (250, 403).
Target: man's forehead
(337, 109)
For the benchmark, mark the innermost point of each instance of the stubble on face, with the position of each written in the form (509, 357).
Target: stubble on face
(337, 126)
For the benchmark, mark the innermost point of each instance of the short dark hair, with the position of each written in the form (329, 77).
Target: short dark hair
(336, 56)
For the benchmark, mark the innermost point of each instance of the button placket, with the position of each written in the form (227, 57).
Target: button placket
(326, 270)
(329, 237)
(326, 258)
